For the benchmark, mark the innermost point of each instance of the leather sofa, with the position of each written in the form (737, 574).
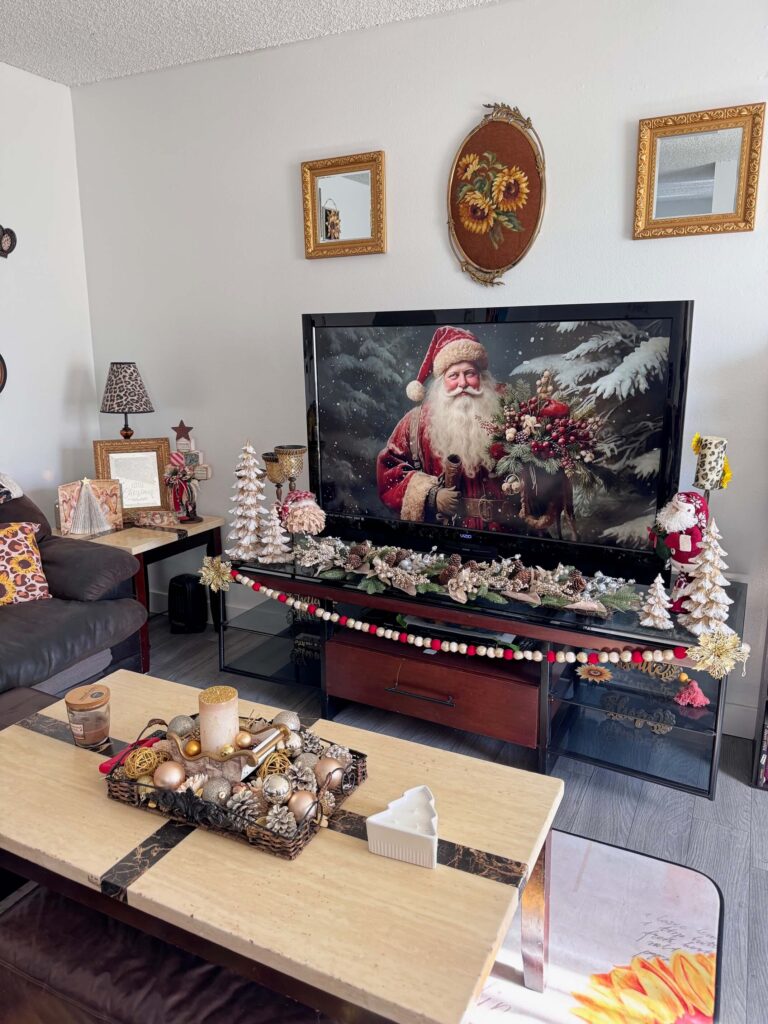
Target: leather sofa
(89, 625)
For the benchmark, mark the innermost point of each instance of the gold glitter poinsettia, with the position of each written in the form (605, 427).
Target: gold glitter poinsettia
(215, 573)
(717, 652)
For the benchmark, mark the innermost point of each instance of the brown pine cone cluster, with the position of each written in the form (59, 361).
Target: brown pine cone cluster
(523, 577)
(400, 554)
(449, 573)
(354, 561)
(455, 560)
(390, 558)
(576, 582)
(361, 550)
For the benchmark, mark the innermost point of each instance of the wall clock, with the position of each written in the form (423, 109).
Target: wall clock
(3, 373)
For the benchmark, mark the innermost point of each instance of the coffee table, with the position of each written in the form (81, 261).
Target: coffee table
(360, 937)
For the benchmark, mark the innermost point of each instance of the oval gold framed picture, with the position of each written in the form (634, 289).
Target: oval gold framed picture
(496, 194)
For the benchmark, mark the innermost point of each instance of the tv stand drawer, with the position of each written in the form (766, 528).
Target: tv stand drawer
(498, 702)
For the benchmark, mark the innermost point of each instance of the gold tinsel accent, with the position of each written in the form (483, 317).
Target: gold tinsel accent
(276, 763)
(717, 653)
(217, 694)
(215, 573)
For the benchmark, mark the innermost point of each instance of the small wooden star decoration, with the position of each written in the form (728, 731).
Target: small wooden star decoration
(215, 573)
(182, 431)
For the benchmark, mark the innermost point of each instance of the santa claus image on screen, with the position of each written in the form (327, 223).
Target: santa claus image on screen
(436, 464)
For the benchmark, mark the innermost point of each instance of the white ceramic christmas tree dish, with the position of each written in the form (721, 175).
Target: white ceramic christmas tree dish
(407, 830)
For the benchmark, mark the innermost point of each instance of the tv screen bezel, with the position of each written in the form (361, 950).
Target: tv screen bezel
(615, 561)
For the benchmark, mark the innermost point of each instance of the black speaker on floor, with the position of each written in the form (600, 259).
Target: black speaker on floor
(187, 604)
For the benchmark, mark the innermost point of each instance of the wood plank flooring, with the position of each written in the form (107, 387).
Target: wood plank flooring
(727, 839)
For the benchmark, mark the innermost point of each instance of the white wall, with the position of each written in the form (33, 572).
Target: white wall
(193, 221)
(48, 415)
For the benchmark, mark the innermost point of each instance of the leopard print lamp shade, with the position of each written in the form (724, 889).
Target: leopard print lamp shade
(125, 393)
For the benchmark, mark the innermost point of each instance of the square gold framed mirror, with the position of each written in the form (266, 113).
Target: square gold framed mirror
(697, 173)
(344, 206)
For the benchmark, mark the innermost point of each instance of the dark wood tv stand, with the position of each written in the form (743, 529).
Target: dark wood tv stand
(543, 707)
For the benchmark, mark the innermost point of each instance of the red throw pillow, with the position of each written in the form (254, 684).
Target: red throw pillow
(21, 569)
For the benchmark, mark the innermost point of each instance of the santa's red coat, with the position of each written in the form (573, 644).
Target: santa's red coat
(405, 478)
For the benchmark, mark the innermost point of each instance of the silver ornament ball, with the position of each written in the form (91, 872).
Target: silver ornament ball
(216, 791)
(288, 718)
(182, 725)
(277, 789)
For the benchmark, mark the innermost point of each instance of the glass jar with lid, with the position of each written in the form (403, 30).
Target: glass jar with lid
(88, 712)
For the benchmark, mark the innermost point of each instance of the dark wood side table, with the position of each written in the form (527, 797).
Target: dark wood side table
(152, 545)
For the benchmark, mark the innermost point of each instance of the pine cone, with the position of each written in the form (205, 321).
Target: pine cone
(576, 582)
(281, 822)
(447, 575)
(302, 778)
(472, 564)
(340, 753)
(390, 558)
(245, 808)
(455, 560)
(523, 577)
(328, 803)
(353, 562)
(400, 554)
(311, 744)
(361, 550)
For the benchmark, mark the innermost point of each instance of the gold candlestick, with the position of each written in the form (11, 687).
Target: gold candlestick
(275, 473)
(291, 459)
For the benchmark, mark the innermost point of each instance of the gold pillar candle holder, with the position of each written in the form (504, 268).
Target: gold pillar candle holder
(291, 459)
(275, 473)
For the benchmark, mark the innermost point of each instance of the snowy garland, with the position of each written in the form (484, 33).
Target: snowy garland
(710, 655)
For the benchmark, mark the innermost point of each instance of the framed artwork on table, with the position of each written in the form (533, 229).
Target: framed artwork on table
(106, 492)
(139, 466)
(697, 173)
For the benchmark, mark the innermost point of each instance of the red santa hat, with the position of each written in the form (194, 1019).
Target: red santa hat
(449, 345)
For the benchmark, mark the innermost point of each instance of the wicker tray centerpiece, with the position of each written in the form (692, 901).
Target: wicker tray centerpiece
(274, 787)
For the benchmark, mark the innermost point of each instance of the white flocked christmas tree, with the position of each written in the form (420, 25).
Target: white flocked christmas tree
(706, 603)
(275, 541)
(249, 512)
(654, 613)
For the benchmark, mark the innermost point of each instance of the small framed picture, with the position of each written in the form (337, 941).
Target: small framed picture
(139, 466)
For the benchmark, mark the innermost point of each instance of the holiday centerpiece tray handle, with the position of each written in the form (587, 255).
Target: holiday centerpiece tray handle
(271, 784)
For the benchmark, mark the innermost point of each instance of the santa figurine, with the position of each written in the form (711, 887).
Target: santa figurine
(676, 537)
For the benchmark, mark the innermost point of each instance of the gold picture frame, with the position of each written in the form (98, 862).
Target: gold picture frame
(703, 124)
(139, 465)
(359, 224)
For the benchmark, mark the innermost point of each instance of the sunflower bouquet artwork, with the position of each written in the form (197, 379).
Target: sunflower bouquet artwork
(489, 195)
(680, 990)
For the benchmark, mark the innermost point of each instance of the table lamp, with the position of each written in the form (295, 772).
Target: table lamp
(125, 393)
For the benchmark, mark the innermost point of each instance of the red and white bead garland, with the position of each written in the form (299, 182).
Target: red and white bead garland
(454, 647)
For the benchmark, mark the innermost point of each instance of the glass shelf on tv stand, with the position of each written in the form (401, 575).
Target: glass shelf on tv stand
(269, 641)
(619, 627)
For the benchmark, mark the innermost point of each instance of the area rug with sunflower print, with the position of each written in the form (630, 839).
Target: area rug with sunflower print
(633, 940)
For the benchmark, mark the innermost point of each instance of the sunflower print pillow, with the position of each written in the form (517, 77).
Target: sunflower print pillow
(21, 569)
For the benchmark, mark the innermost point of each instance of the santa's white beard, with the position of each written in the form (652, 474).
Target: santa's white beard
(676, 517)
(455, 423)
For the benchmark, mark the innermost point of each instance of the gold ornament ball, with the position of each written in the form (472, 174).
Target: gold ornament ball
(277, 789)
(141, 761)
(244, 740)
(192, 748)
(169, 775)
(182, 725)
(303, 804)
(329, 766)
(226, 750)
(683, 677)
(289, 719)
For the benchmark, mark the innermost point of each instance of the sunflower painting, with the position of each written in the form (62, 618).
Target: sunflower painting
(496, 194)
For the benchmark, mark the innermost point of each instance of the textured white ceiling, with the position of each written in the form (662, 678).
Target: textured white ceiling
(80, 41)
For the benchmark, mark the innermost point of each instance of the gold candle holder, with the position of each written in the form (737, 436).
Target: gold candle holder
(275, 473)
(291, 459)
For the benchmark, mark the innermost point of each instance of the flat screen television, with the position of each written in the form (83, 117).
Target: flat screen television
(549, 431)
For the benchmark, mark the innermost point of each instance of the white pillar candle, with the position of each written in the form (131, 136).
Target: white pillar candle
(219, 721)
